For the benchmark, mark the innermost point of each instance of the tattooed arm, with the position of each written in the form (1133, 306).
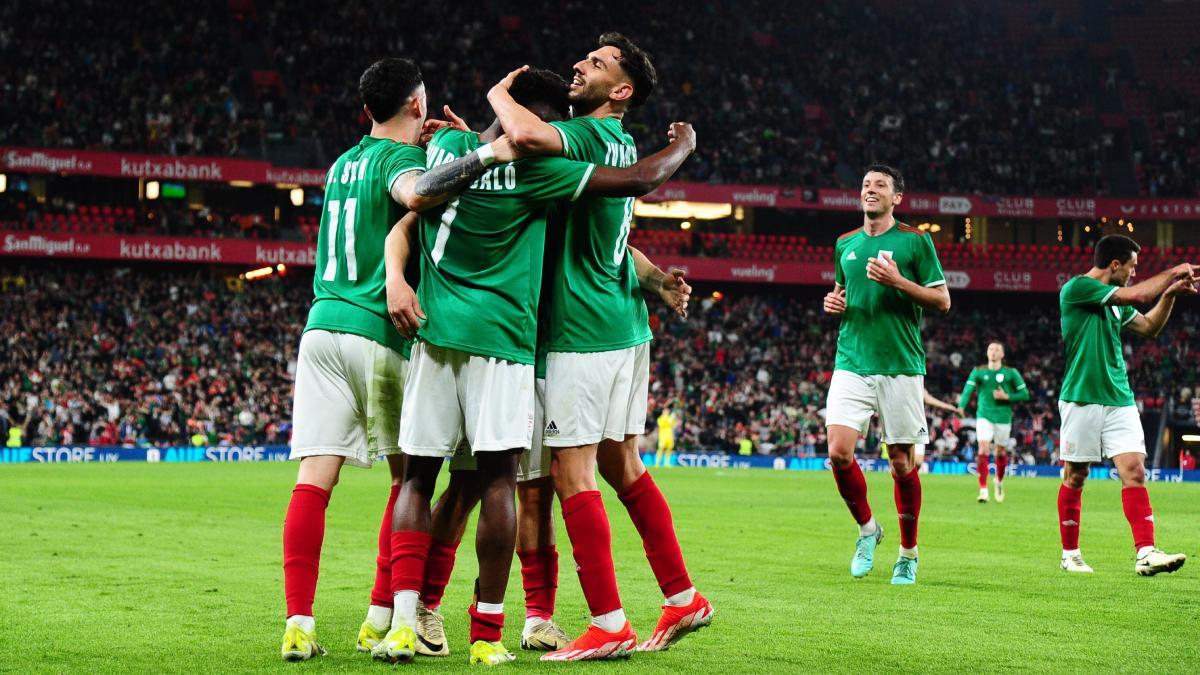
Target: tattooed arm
(423, 190)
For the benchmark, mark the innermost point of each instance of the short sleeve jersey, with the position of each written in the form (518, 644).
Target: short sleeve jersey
(1091, 329)
(348, 284)
(986, 381)
(597, 304)
(482, 253)
(880, 332)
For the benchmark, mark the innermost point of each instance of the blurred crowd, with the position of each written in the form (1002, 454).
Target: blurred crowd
(789, 93)
(106, 355)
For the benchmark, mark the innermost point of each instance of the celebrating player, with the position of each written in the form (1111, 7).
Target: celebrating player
(1099, 418)
(353, 361)
(472, 378)
(999, 387)
(887, 274)
(598, 367)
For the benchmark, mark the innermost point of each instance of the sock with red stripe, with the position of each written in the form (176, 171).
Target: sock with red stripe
(651, 516)
(907, 492)
(539, 576)
(591, 543)
(1001, 465)
(1070, 506)
(852, 485)
(981, 468)
(1136, 501)
(303, 533)
(438, 568)
(381, 592)
(486, 625)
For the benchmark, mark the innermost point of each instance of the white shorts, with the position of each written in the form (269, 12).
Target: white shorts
(456, 397)
(899, 400)
(535, 462)
(1092, 432)
(348, 398)
(987, 430)
(596, 395)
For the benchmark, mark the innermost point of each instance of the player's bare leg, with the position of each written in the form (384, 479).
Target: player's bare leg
(1131, 466)
(495, 539)
(303, 535)
(852, 485)
(906, 475)
(981, 468)
(609, 635)
(1070, 506)
(539, 564)
(379, 612)
(684, 609)
(448, 523)
(1001, 469)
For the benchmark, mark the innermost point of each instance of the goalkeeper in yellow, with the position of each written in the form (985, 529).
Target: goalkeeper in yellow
(668, 421)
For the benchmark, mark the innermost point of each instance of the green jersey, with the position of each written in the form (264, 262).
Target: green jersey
(482, 253)
(881, 327)
(1091, 328)
(987, 381)
(597, 304)
(348, 285)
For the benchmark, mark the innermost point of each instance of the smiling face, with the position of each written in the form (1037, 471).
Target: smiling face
(599, 78)
(879, 194)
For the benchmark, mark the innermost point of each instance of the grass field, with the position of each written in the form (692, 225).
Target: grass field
(151, 568)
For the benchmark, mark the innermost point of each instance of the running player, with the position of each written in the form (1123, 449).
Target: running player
(598, 367)
(667, 422)
(472, 376)
(887, 274)
(1099, 418)
(352, 360)
(999, 387)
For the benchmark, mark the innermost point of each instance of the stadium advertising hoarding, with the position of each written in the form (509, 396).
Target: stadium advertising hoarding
(712, 460)
(130, 165)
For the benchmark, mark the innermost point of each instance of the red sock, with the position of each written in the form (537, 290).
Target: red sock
(591, 541)
(852, 485)
(381, 592)
(1070, 505)
(539, 576)
(1136, 501)
(981, 468)
(437, 571)
(410, 549)
(303, 532)
(651, 516)
(1001, 465)
(485, 626)
(908, 506)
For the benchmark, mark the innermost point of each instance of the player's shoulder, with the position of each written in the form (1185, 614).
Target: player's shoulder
(847, 235)
(909, 229)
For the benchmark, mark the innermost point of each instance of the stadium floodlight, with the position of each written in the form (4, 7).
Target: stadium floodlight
(259, 273)
(297, 195)
(3, 183)
(153, 189)
(685, 225)
(241, 183)
(1191, 438)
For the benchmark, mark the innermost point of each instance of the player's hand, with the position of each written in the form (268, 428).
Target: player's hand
(507, 82)
(455, 122)
(884, 271)
(960, 412)
(504, 149)
(682, 132)
(1184, 271)
(835, 301)
(1183, 286)
(403, 307)
(428, 129)
(676, 292)
(999, 394)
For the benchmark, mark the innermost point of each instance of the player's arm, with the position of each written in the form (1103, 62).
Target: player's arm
(648, 173)
(528, 132)
(1151, 323)
(669, 286)
(934, 298)
(835, 300)
(967, 392)
(1147, 291)
(403, 307)
(419, 190)
(1020, 392)
(939, 404)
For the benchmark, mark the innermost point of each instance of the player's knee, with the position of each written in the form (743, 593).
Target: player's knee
(1133, 477)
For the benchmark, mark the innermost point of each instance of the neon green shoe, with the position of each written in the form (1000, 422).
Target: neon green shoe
(369, 636)
(485, 653)
(300, 645)
(398, 646)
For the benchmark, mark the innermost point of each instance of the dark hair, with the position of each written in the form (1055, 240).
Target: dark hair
(897, 177)
(386, 85)
(636, 64)
(1114, 247)
(541, 86)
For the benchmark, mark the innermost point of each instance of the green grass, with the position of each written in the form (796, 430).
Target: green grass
(152, 568)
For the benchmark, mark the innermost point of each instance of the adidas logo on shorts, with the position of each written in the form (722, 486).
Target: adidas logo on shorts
(551, 429)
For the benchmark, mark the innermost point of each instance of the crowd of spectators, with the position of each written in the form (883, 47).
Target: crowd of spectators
(780, 93)
(108, 355)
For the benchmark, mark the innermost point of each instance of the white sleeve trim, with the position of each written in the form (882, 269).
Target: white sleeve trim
(566, 146)
(935, 284)
(401, 172)
(587, 175)
(1133, 316)
(1109, 296)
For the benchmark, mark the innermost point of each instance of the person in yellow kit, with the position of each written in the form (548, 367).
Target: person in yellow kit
(667, 422)
(15, 434)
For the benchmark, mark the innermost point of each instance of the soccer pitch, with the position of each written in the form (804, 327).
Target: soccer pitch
(157, 567)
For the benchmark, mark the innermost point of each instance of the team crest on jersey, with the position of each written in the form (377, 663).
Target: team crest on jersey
(999, 377)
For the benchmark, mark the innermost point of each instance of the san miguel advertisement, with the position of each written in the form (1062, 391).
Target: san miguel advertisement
(157, 167)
